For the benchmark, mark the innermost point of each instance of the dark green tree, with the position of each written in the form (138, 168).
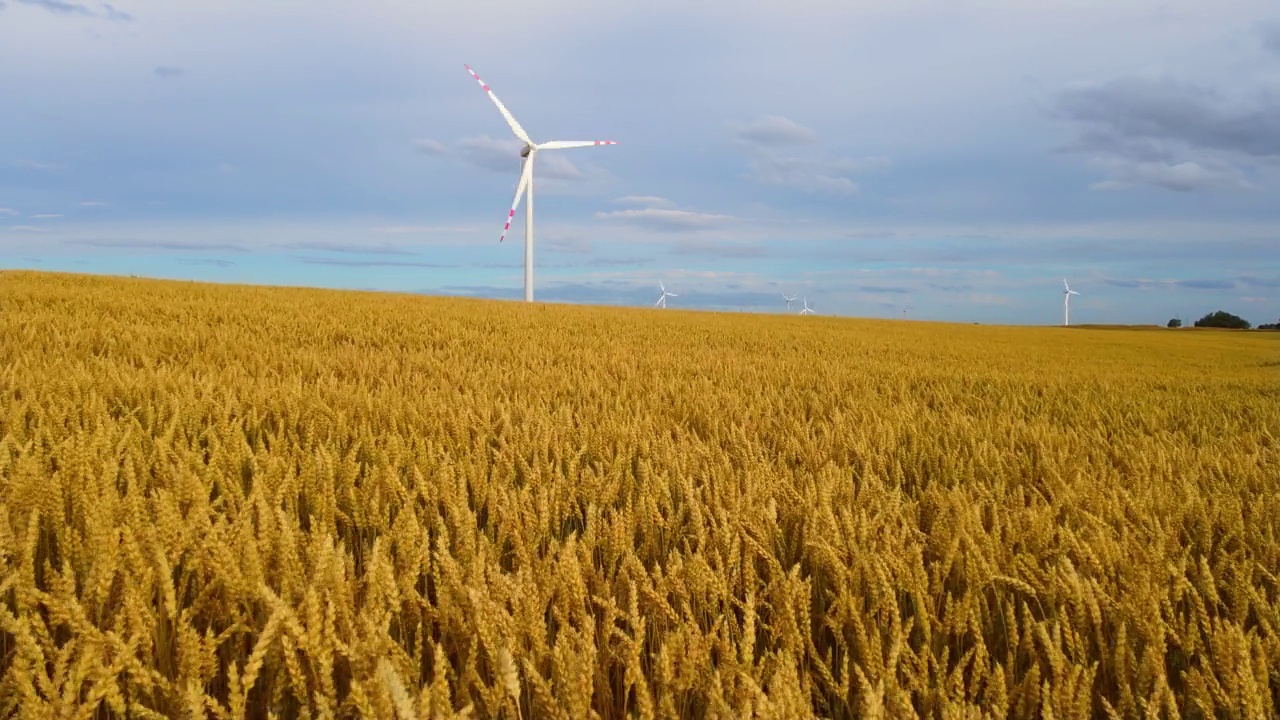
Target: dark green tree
(1223, 319)
(1174, 323)
(1270, 326)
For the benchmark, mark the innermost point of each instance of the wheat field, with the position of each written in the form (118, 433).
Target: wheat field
(234, 501)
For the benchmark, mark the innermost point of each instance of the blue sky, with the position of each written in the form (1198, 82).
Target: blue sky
(951, 160)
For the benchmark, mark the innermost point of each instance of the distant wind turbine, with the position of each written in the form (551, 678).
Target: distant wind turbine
(662, 301)
(789, 300)
(807, 310)
(1067, 292)
(525, 184)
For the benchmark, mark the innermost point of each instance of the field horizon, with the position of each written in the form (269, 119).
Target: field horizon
(252, 501)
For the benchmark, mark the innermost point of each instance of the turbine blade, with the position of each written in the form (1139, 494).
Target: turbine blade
(566, 144)
(515, 126)
(525, 172)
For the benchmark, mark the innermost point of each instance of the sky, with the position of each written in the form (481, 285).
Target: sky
(942, 160)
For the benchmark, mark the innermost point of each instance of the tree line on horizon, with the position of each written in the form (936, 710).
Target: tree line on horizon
(1223, 319)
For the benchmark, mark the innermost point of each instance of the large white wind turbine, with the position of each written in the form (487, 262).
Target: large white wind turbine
(789, 300)
(1067, 292)
(525, 184)
(807, 310)
(662, 301)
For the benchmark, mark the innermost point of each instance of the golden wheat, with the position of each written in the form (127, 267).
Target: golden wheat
(252, 502)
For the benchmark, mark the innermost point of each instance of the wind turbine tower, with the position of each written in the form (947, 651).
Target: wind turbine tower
(525, 184)
(1067, 292)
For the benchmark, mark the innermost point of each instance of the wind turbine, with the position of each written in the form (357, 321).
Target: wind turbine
(789, 300)
(1067, 292)
(662, 301)
(525, 184)
(807, 310)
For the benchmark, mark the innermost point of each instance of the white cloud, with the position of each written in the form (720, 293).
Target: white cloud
(42, 166)
(648, 200)
(762, 140)
(427, 146)
(1185, 176)
(503, 156)
(667, 220)
(810, 174)
(776, 130)
(46, 216)
(9, 211)
(94, 204)
(422, 229)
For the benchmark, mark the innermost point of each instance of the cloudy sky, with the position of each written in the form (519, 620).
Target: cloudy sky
(953, 160)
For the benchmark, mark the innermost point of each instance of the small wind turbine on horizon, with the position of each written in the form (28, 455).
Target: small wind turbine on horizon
(1067, 292)
(807, 310)
(525, 184)
(789, 300)
(662, 301)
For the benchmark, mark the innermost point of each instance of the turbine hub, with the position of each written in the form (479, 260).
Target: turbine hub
(525, 152)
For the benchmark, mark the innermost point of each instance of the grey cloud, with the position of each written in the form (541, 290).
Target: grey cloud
(504, 156)
(720, 249)
(1187, 284)
(94, 204)
(169, 71)
(618, 262)
(1254, 281)
(206, 261)
(157, 245)
(1168, 109)
(353, 248)
(113, 14)
(59, 6)
(1270, 34)
(950, 288)
(1169, 133)
(1205, 284)
(427, 146)
(370, 263)
(9, 211)
(46, 216)
(573, 244)
(775, 130)
(667, 220)
(33, 165)
(889, 289)
(870, 234)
